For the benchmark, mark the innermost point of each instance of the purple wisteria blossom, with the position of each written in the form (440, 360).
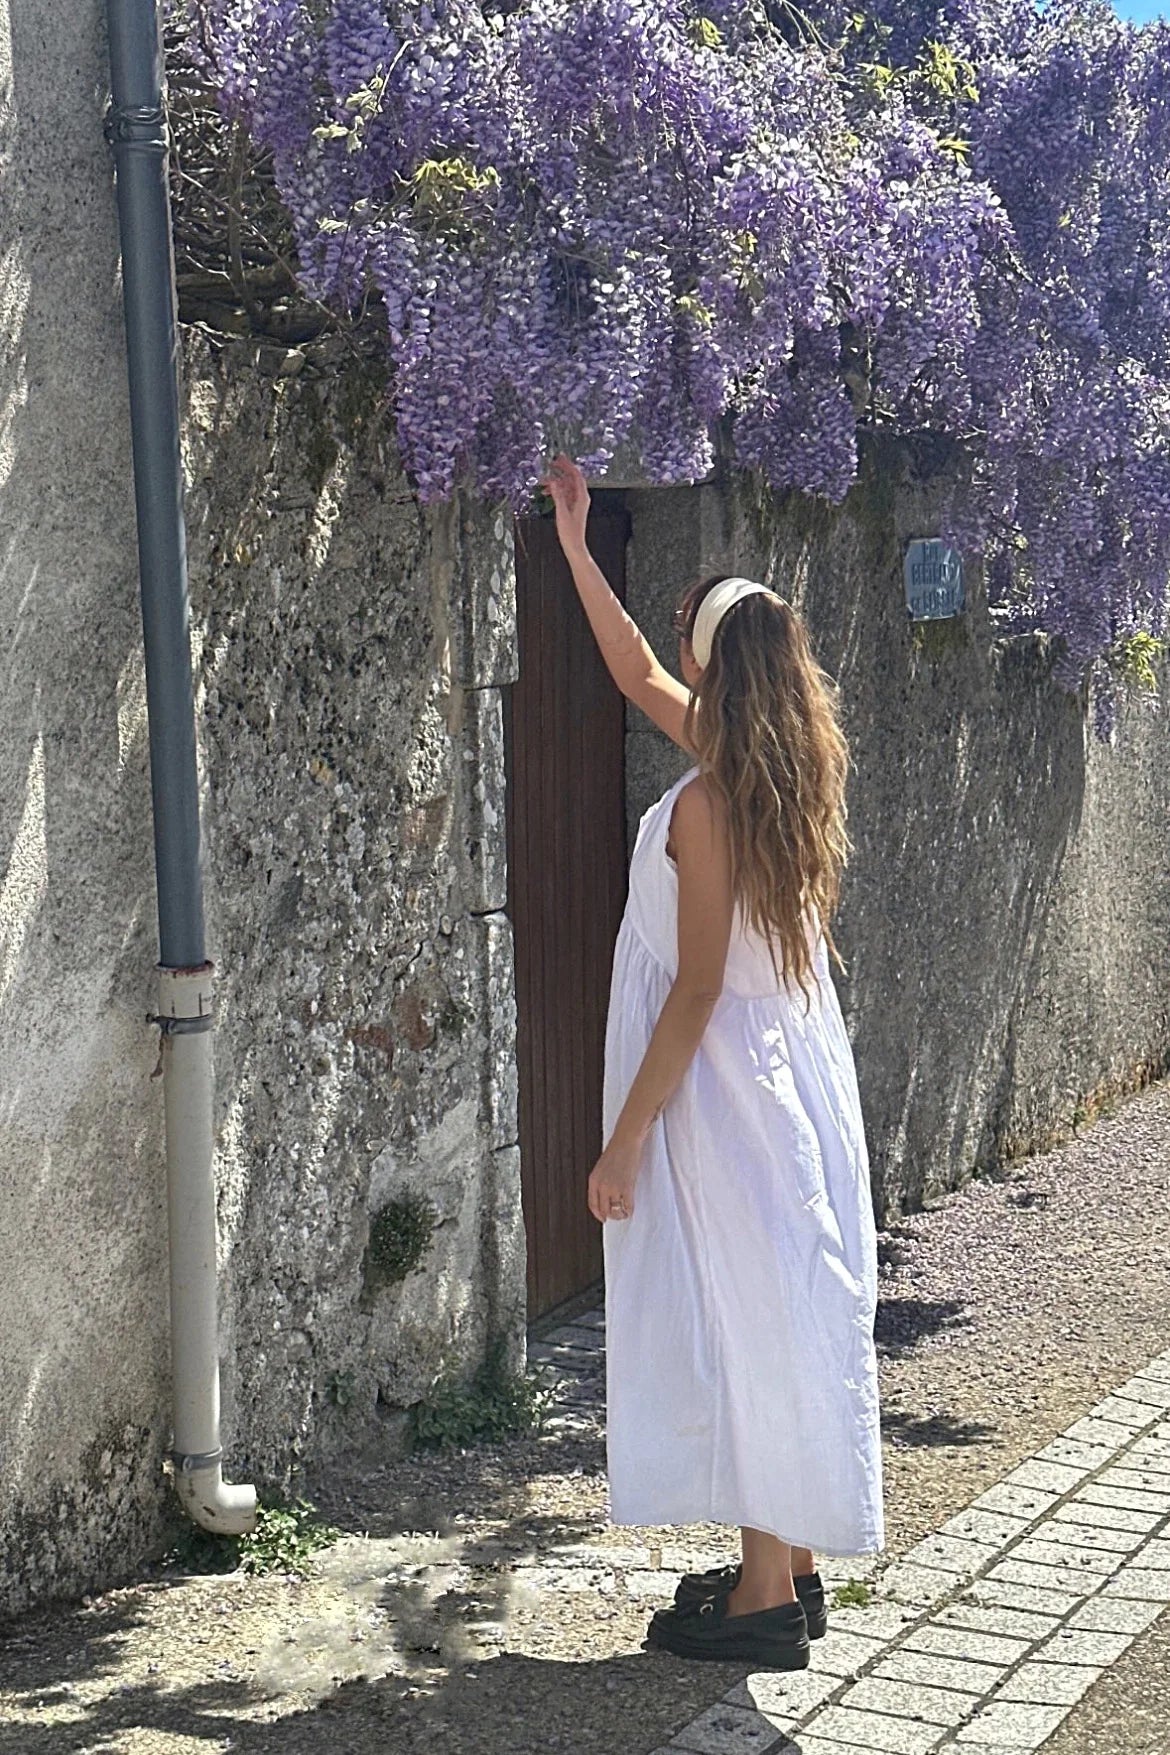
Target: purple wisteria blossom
(613, 222)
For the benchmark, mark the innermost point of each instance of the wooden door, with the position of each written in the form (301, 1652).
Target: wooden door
(564, 736)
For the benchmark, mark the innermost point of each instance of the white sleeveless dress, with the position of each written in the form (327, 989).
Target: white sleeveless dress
(740, 1297)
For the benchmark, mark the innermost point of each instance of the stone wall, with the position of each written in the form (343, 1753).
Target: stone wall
(83, 1334)
(352, 652)
(349, 654)
(1005, 916)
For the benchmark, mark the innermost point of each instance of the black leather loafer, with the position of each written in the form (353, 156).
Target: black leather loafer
(774, 1639)
(810, 1591)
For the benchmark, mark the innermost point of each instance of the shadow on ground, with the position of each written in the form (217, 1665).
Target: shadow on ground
(480, 1705)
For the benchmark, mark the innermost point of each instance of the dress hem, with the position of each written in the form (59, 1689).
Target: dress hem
(736, 1522)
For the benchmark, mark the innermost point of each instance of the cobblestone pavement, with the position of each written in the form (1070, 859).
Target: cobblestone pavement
(481, 1603)
(985, 1635)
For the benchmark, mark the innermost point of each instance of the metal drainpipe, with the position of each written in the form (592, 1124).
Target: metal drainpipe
(136, 130)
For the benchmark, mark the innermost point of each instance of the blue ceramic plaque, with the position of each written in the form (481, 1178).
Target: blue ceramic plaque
(934, 580)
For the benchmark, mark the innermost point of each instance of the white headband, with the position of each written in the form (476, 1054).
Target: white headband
(714, 607)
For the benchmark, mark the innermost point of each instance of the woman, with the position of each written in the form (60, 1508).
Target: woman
(739, 1237)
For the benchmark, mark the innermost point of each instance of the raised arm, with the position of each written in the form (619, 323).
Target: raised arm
(630, 658)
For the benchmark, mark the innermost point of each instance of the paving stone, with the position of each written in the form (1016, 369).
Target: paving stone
(1046, 1553)
(1134, 1476)
(1015, 1623)
(1149, 1453)
(1053, 1478)
(583, 1340)
(1050, 1684)
(583, 1393)
(1152, 1584)
(804, 1744)
(555, 1428)
(1074, 1453)
(873, 1730)
(555, 1353)
(905, 1582)
(1149, 1390)
(964, 1674)
(882, 1621)
(1139, 1498)
(951, 1553)
(1017, 1499)
(783, 1694)
(1071, 1581)
(1110, 1433)
(1075, 1645)
(1012, 1724)
(1158, 1368)
(965, 1642)
(912, 1700)
(1001, 1592)
(1155, 1553)
(1124, 1410)
(729, 1730)
(995, 1527)
(839, 1571)
(556, 1375)
(1087, 1532)
(1115, 1615)
(843, 1654)
(1082, 1509)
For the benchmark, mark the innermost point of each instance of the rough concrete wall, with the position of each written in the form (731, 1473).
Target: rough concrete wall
(349, 658)
(82, 1286)
(1005, 916)
(353, 651)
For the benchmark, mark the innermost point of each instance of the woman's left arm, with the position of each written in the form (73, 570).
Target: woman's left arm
(704, 932)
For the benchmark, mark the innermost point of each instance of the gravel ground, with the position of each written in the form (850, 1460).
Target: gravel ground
(482, 1603)
(1127, 1712)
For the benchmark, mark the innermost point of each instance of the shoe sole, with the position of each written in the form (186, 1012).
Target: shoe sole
(769, 1654)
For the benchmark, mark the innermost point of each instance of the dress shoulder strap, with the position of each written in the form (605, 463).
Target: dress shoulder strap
(666, 807)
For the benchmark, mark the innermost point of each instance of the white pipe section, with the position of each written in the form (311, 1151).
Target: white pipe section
(187, 996)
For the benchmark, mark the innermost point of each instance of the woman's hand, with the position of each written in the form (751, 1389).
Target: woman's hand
(612, 1179)
(565, 486)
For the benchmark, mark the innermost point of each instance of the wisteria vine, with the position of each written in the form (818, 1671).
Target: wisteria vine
(646, 223)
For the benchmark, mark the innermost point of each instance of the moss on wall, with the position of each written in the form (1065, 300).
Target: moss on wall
(400, 1234)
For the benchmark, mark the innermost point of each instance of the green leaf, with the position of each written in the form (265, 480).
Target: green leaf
(705, 34)
(694, 308)
(1134, 657)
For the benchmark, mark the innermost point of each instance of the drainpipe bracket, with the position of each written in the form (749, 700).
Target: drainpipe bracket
(186, 999)
(186, 1464)
(141, 126)
(171, 1026)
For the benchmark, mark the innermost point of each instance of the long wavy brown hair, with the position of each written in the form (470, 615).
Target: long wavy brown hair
(763, 723)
